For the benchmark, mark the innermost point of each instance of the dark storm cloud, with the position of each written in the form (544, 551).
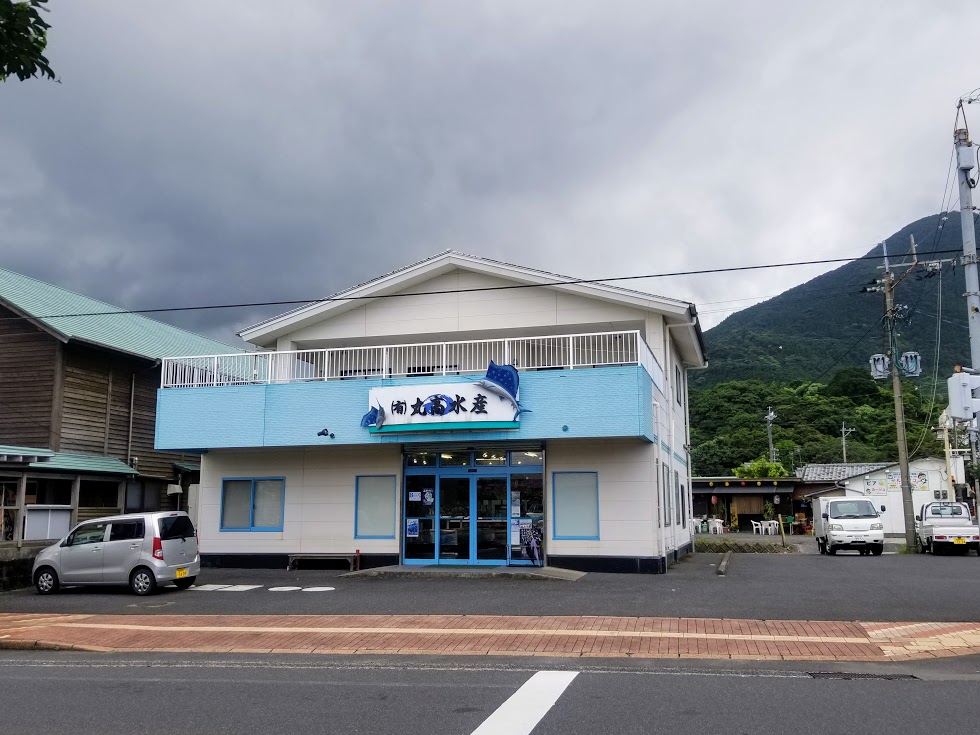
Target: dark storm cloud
(245, 151)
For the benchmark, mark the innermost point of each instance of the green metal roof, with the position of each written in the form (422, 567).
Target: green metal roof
(64, 462)
(84, 463)
(24, 451)
(104, 324)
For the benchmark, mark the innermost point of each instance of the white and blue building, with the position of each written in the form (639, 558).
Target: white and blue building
(456, 411)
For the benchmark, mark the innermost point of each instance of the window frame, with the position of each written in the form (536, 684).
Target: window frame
(394, 506)
(70, 541)
(251, 512)
(554, 507)
(138, 522)
(677, 498)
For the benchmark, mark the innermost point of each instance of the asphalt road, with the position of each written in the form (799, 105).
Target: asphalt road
(82, 694)
(788, 587)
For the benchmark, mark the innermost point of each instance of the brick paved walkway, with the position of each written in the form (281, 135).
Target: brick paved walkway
(482, 635)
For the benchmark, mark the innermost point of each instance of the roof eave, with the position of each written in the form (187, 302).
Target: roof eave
(31, 319)
(265, 333)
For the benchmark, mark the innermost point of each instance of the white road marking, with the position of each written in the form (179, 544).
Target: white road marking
(318, 589)
(528, 705)
(209, 587)
(239, 588)
(284, 589)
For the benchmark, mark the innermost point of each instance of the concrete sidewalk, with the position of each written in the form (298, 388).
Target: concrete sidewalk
(493, 635)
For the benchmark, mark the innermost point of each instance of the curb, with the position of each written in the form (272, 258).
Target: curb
(723, 567)
(38, 645)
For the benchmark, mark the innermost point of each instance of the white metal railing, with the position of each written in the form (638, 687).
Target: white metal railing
(567, 351)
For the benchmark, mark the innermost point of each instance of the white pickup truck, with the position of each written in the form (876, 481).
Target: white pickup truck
(946, 526)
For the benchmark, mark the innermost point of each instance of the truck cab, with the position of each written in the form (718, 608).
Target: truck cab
(848, 523)
(946, 526)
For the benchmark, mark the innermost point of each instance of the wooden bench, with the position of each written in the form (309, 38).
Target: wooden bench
(350, 558)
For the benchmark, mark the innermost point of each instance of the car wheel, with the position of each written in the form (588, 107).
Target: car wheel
(46, 581)
(831, 550)
(917, 545)
(183, 584)
(820, 547)
(142, 581)
(877, 550)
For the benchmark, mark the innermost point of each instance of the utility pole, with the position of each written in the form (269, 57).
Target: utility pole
(903, 450)
(770, 417)
(844, 431)
(965, 158)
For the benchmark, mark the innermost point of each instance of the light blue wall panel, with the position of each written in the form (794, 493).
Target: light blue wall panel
(199, 417)
(601, 402)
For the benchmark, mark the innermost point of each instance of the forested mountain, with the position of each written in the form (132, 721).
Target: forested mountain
(728, 424)
(809, 331)
(805, 353)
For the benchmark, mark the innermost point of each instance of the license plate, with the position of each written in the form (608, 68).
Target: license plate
(182, 572)
(959, 540)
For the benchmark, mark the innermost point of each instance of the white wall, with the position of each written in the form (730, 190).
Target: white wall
(319, 503)
(420, 317)
(893, 518)
(627, 496)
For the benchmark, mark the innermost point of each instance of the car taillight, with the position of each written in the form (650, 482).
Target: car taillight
(157, 548)
(939, 538)
(976, 538)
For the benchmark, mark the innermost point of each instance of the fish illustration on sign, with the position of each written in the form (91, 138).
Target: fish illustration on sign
(375, 417)
(504, 382)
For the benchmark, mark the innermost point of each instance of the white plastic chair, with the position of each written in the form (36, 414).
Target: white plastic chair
(715, 525)
(756, 527)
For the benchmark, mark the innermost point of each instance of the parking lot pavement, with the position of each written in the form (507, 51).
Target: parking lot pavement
(757, 586)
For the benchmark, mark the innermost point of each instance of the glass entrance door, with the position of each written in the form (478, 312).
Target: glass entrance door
(455, 519)
(474, 507)
(491, 519)
(472, 519)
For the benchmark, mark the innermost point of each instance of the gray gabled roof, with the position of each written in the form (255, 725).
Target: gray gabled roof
(840, 471)
(71, 316)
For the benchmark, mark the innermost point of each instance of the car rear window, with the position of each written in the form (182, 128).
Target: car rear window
(946, 511)
(173, 527)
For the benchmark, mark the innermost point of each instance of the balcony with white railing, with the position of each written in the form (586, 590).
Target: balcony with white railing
(557, 352)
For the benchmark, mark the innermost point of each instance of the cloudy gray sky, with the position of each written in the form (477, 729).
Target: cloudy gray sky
(211, 152)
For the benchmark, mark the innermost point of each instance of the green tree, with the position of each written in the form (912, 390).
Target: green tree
(23, 39)
(761, 467)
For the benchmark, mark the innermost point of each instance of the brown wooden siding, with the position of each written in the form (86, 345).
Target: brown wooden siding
(96, 415)
(87, 514)
(27, 377)
(86, 385)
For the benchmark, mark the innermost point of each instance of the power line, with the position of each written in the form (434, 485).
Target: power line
(516, 286)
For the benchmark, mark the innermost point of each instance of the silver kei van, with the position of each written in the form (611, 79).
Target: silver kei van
(143, 550)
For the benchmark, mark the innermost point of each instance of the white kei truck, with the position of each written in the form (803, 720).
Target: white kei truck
(848, 523)
(946, 526)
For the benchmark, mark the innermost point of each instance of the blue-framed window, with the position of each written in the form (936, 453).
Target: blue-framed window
(253, 503)
(575, 505)
(375, 498)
